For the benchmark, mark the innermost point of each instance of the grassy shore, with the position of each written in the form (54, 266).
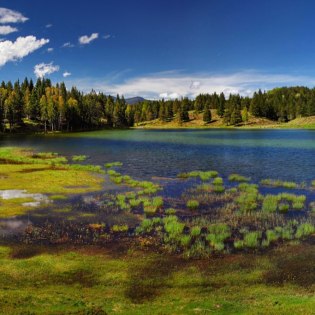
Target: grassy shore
(92, 280)
(196, 121)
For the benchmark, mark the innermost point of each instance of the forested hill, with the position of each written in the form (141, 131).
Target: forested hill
(52, 107)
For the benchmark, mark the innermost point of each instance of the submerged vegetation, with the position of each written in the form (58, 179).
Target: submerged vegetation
(148, 238)
(210, 216)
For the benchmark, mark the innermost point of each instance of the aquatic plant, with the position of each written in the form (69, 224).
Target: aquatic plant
(185, 241)
(304, 229)
(195, 231)
(192, 204)
(218, 181)
(79, 158)
(218, 188)
(279, 183)
(284, 207)
(238, 178)
(204, 176)
(270, 203)
(251, 239)
(113, 164)
(119, 228)
(170, 211)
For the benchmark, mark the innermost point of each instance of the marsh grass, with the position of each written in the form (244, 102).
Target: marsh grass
(204, 176)
(113, 164)
(270, 203)
(123, 228)
(238, 178)
(192, 204)
(279, 183)
(79, 158)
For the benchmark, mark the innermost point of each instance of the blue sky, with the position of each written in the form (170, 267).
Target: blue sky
(160, 48)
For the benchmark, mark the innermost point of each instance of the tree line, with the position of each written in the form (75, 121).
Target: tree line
(53, 107)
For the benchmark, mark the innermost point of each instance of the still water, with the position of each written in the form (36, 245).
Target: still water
(278, 154)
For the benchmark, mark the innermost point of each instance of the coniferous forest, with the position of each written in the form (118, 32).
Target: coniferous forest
(54, 108)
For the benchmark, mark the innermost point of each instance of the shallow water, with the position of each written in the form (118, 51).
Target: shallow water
(279, 154)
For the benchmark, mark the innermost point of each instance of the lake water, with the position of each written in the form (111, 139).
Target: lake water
(278, 154)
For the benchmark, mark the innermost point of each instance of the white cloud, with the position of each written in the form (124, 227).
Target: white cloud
(50, 49)
(6, 29)
(66, 74)
(23, 46)
(174, 84)
(10, 16)
(48, 25)
(44, 69)
(107, 36)
(67, 45)
(83, 40)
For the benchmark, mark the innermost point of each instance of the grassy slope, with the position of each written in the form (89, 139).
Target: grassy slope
(196, 121)
(88, 280)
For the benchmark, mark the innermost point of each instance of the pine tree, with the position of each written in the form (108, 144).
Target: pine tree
(207, 116)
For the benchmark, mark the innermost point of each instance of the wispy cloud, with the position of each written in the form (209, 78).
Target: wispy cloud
(48, 25)
(66, 74)
(10, 16)
(50, 49)
(6, 29)
(173, 84)
(84, 40)
(21, 47)
(67, 45)
(107, 36)
(43, 69)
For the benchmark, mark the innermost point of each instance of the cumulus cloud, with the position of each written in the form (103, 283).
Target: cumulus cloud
(66, 74)
(6, 29)
(44, 69)
(83, 40)
(23, 46)
(10, 16)
(169, 85)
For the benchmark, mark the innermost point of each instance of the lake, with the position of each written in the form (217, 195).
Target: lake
(279, 154)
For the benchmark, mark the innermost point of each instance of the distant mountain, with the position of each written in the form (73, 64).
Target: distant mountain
(134, 100)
